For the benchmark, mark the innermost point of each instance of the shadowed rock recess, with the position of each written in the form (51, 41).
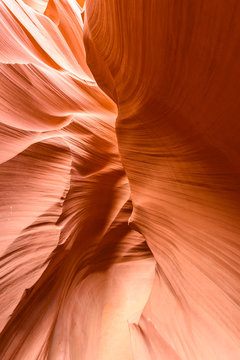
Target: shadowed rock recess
(119, 179)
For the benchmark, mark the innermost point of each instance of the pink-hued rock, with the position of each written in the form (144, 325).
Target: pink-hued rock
(119, 180)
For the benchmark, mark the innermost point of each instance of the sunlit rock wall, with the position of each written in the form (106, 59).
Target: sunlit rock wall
(120, 179)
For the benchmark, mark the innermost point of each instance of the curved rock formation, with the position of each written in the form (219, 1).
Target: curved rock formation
(120, 179)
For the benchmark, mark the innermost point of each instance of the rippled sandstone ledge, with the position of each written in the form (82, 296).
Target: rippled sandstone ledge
(119, 179)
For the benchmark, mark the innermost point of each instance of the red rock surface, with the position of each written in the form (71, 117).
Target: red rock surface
(120, 179)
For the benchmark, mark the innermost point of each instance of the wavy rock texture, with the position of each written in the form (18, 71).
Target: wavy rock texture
(119, 179)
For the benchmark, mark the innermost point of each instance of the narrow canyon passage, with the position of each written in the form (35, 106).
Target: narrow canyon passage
(120, 179)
